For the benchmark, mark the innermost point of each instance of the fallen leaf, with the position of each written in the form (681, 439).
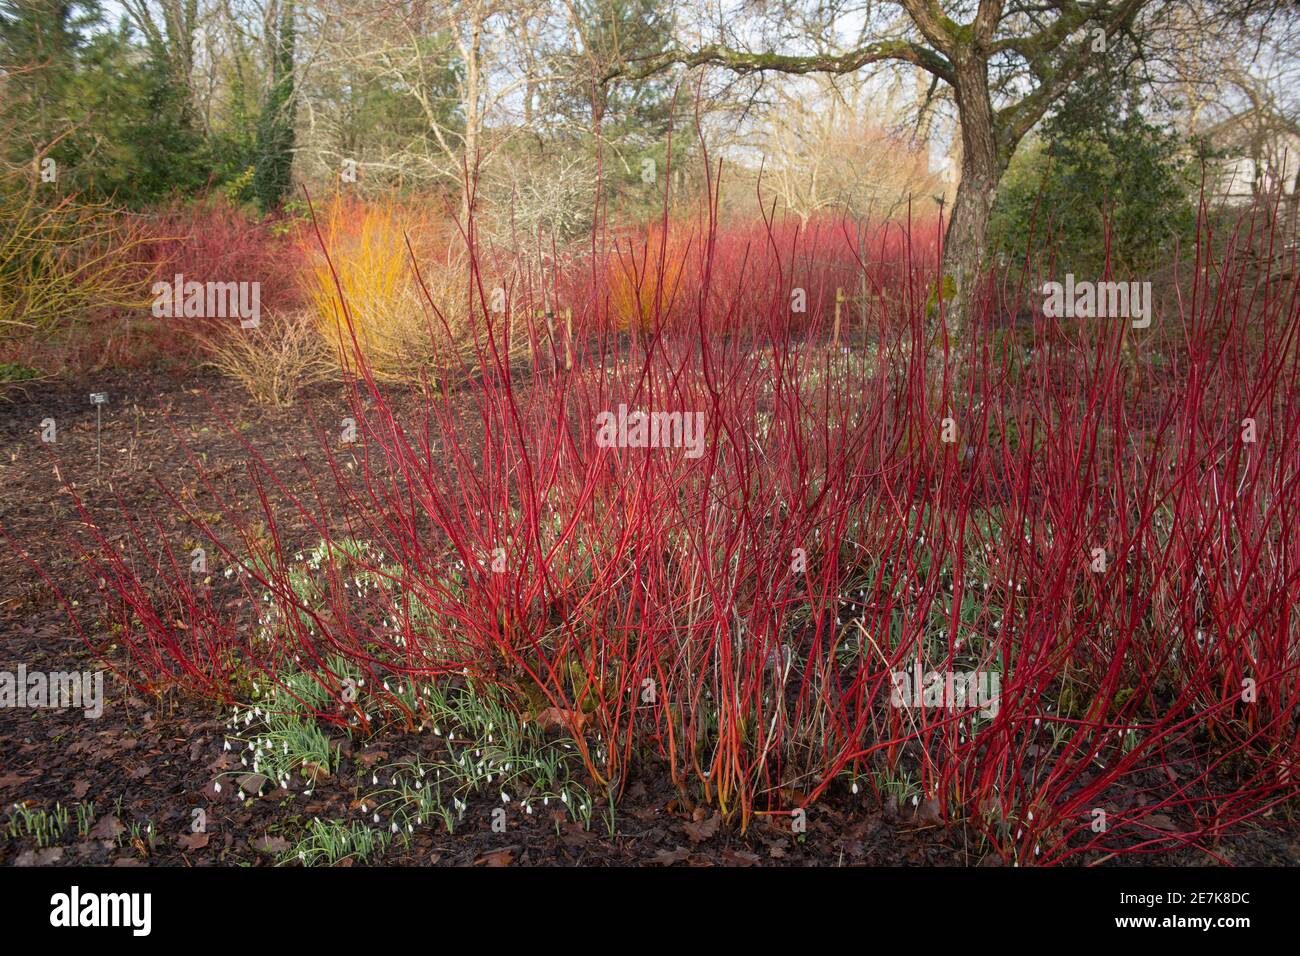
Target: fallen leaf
(669, 857)
(576, 835)
(225, 761)
(193, 841)
(270, 844)
(251, 783)
(108, 827)
(496, 858)
(314, 772)
(567, 720)
(46, 857)
(702, 830)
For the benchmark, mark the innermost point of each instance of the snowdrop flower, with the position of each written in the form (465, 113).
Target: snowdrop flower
(216, 786)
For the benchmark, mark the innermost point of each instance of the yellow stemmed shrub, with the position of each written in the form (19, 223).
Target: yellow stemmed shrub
(64, 263)
(382, 309)
(646, 275)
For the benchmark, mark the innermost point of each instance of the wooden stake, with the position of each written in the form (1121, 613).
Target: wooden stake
(568, 339)
(835, 334)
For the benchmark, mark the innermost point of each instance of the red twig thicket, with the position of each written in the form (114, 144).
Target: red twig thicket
(212, 241)
(1100, 521)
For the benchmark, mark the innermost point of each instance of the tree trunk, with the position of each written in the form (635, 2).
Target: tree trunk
(472, 51)
(982, 164)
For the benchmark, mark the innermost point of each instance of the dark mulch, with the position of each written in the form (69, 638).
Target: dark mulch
(153, 762)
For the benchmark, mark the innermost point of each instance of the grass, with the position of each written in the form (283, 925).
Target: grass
(49, 827)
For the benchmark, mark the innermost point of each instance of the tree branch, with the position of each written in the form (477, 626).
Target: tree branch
(740, 61)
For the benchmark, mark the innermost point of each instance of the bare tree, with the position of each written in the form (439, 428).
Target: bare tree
(1004, 61)
(824, 149)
